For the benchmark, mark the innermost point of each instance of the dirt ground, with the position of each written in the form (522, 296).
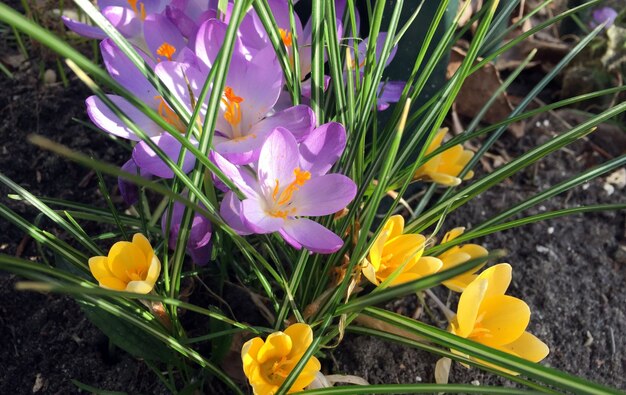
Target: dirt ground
(571, 271)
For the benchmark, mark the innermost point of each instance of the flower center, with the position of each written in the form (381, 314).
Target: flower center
(282, 200)
(479, 332)
(286, 37)
(141, 10)
(232, 113)
(166, 50)
(169, 115)
(136, 274)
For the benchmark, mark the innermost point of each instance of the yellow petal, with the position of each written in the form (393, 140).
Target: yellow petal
(527, 346)
(125, 257)
(99, 267)
(368, 271)
(426, 266)
(140, 287)
(453, 234)
(395, 226)
(469, 175)
(112, 283)
(376, 252)
(453, 258)
(451, 155)
(277, 345)
(301, 337)
(469, 303)
(459, 283)
(444, 179)
(260, 383)
(499, 278)
(307, 375)
(505, 317)
(142, 242)
(437, 140)
(474, 250)
(249, 353)
(154, 271)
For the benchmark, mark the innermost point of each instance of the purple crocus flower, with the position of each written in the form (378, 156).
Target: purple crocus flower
(291, 183)
(199, 243)
(253, 86)
(602, 15)
(124, 72)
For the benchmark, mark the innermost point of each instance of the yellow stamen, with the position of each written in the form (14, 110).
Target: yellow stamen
(233, 109)
(169, 115)
(284, 198)
(286, 37)
(166, 50)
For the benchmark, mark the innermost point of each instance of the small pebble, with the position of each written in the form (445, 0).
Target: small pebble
(550, 230)
(475, 382)
(49, 77)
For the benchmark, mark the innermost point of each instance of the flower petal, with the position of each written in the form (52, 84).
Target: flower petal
(84, 29)
(324, 195)
(278, 159)
(322, 148)
(527, 346)
(312, 235)
(99, 267)
(124, 71)
(505, 317)
(255, 217)
(230, 210)
(277, 345)
(148, 160)
(159, 30)
(301, 337)
(249, 353)
(139, 287)
(499, 278)
(103, 117)
(469, 304)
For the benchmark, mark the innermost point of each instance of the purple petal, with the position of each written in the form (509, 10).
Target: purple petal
(241, 177)
(278, 159)
(158, 31)
(148, 160)
(324, 195)
(183, 22)
(124, 71)
(213, 32)
(124, 19)
(311, 235)
(299, 120)
(242, 150)
(380, 42)
(103, 117)
(320, 151)
(602, 15)
(306, 86)
(230, 210)
(389, 92)
(256, 218)
(83, 29)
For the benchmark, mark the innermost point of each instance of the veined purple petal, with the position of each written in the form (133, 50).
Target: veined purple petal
(242, 150)
(241, 177)
(124, 71)
(256, 218)
(230, 210)
(323, 195)
(148, 160)
(278, 159)
(105, 118)
(311, 235)
(124, 19)
(299, 120)
(322, 148)
(160, 32)
(183, 22)
(209, 38)
(84, 29)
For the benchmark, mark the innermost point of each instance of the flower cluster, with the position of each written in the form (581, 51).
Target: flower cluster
(271, 149)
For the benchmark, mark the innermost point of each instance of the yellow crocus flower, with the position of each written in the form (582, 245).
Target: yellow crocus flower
(445, 167)
(487, 316)
(130, 266)
(393, 251)
(457, 255)
(267, 363)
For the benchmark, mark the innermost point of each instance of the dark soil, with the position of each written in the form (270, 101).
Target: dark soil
(571, 271)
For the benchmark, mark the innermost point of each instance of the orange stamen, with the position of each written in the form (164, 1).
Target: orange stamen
(284, 198)
(142, 11)
(233, 109)
(286, 37)
(133, 5)
(169, 115)
(166, 50)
